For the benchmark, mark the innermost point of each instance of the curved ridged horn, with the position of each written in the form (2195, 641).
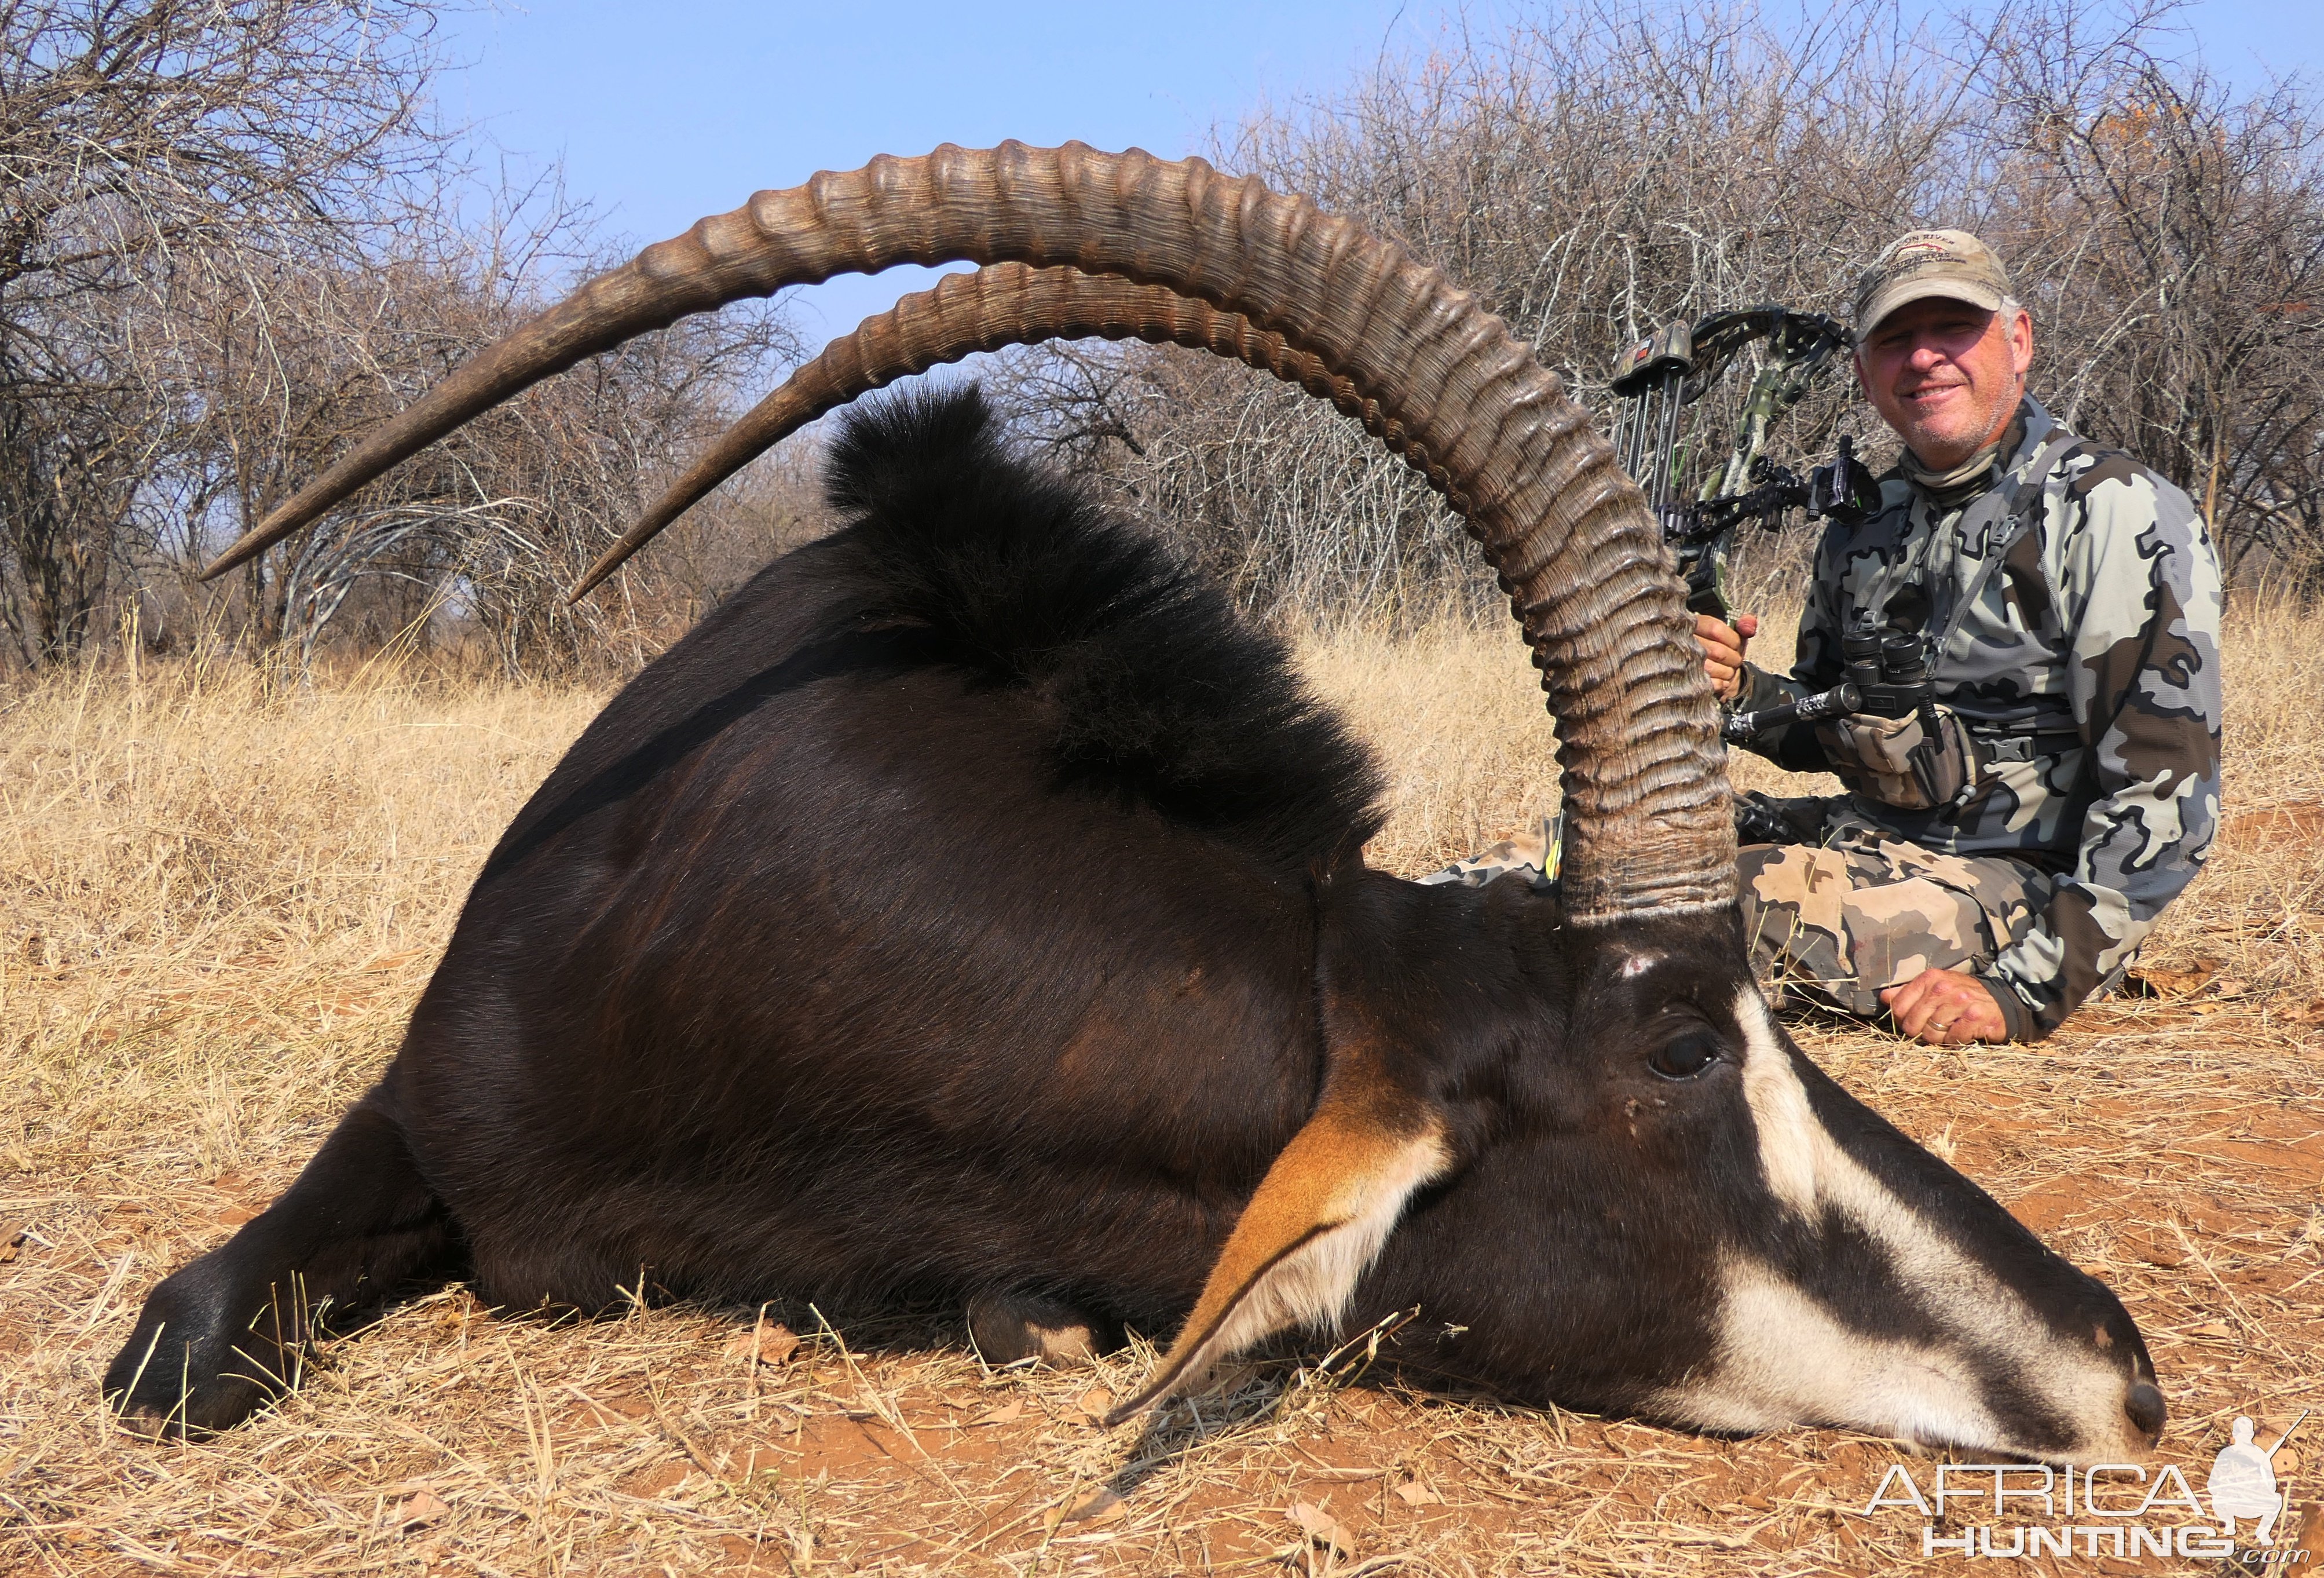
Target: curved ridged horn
(1010, 304)
(1649, 825)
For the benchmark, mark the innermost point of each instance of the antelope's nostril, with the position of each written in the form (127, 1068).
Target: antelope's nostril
(2144, 1403)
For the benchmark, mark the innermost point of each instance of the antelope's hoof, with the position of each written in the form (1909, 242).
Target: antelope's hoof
(1007, 1327)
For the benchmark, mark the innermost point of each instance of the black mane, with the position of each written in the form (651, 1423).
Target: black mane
(1156, 689)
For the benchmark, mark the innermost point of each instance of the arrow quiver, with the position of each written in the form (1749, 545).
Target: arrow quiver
(1657, 379)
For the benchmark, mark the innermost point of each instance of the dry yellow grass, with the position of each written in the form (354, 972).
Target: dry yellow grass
(220, 894)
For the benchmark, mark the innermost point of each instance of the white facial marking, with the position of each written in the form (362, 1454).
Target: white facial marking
(1784, 1357)
(1791, 1140)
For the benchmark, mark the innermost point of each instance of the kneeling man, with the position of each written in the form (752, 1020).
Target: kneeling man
(2000, 854)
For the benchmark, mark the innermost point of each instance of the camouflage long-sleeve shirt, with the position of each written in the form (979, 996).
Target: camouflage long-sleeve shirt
(2090, 654)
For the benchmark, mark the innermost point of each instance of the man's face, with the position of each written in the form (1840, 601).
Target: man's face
(1946, 374)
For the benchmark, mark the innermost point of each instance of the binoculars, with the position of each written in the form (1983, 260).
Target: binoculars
(1889, 669)
(1887, 677)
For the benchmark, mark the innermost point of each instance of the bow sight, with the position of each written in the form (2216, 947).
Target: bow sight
(1659, 377)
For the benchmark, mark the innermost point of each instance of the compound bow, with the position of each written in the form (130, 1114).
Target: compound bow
(1661, 375)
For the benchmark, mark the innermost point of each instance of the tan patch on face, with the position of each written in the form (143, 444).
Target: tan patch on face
(1790, 1138)
(1318, 1218)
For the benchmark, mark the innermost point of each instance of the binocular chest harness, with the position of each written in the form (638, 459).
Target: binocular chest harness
(1906, 749)
(1882, 726)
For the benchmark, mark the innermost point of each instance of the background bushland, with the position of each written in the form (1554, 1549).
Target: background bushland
(1603, 167)
(235, 234)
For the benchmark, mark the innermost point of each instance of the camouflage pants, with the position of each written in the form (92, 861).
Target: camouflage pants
(1840, 921)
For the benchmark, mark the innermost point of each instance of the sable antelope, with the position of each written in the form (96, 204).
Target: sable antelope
(971, 905)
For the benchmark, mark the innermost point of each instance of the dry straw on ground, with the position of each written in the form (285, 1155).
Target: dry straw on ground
(218, 897)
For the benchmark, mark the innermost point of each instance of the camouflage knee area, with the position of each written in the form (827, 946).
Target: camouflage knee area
(1792, 898)
(1842, 924)
(2003, 895)
(1896, 930)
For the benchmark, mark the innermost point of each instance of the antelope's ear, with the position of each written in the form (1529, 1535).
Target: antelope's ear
(1319, 1217)
(1414, 985)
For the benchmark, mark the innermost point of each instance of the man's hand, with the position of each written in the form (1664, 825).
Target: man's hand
(1946, 1008)
(1722, 651)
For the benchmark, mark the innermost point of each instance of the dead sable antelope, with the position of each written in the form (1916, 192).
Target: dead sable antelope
(973, 906)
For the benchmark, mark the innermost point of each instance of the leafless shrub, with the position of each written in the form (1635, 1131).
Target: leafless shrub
(2171, 232)
(232, 239)
(490, 526)
(139, 140)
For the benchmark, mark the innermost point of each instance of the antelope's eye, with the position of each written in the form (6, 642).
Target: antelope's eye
(1687, 1057)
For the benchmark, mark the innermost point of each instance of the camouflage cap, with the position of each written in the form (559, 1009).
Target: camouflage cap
(1929, 262)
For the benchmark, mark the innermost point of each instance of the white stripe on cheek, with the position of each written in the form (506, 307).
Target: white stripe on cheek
(1787, 1361)
(1789, 1135)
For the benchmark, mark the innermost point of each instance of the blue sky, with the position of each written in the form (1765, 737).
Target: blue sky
(665, 111)
(687, 111)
